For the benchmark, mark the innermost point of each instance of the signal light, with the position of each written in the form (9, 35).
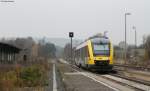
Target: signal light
(71, 34)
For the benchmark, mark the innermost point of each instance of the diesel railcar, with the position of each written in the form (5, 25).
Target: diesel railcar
(95, 53)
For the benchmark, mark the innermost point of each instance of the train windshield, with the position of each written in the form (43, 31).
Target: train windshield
(101, 46)
(101, 49)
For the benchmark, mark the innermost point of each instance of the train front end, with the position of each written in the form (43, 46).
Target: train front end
(101, 51)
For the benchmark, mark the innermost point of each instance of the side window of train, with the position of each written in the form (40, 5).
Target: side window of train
(87, 51)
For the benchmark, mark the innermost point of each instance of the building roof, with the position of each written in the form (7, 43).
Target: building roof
(8, 48)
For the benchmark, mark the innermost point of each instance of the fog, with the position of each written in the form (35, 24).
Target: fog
(55, 18)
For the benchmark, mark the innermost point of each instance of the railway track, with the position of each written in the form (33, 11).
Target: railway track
(133, 67)
(141, 76)
(138, 85)
(131, 82)
(131, 79)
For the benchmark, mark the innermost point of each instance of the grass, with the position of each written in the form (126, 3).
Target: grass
(33, 76)
(19, 76)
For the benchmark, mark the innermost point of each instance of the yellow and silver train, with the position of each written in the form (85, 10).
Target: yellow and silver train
(95, 53)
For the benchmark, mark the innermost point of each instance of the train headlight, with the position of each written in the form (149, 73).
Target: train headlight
(94, 61)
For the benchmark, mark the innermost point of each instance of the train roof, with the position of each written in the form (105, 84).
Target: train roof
(95, 39)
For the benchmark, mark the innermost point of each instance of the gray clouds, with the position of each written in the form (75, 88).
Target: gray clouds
(55, 18)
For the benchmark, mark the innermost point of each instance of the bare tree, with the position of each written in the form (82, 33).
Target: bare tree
(147, 47)
(67, 52)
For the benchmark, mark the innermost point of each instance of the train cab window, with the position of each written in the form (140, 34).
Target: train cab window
(101, 49)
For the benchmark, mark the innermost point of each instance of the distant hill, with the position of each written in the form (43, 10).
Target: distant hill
(61, 42)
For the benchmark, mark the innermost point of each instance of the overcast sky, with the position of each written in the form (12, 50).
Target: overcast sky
(55, 18)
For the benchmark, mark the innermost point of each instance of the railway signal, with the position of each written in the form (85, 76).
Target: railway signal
(71, 35)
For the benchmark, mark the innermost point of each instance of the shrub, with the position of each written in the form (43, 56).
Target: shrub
(33, 76)
(28, 76)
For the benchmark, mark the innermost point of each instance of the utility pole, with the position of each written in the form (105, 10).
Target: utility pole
(125, 49)
(71, 35)
(134, 28)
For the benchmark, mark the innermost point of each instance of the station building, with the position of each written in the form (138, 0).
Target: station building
(8, 53)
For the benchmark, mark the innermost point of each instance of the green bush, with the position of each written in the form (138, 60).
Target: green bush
(29, 76)
(32, 76)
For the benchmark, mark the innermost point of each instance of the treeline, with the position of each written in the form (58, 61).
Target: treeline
(146, 45)
(47, 50)
(67, 53)
(32, 49)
